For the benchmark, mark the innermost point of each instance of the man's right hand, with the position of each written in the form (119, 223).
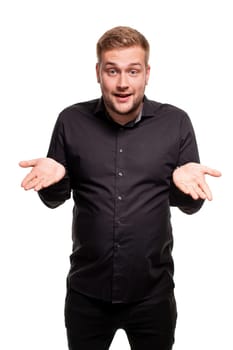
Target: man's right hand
(44, 172)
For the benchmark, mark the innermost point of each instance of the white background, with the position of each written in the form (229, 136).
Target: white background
(47, 63)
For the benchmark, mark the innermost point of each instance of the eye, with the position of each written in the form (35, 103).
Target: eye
(133, 72)
(112, 71)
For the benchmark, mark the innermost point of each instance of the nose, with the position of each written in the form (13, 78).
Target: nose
(122, 82)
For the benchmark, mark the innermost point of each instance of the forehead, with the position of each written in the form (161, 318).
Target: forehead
(124, 56)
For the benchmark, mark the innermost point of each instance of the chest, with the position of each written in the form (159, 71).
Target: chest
(148, 151)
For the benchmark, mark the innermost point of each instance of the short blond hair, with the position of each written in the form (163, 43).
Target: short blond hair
(122, 37)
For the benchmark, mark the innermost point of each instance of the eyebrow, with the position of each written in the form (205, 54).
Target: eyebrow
(109, 63)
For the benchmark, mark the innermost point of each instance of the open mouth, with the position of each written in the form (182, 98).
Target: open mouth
(122, 97)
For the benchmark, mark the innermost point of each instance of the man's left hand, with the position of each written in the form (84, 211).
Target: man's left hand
(190, 179)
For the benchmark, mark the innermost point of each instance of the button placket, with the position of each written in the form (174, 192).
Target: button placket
(119, 176)
(119, 170)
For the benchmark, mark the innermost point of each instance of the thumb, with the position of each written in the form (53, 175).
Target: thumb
(28, 163)
(212, 172)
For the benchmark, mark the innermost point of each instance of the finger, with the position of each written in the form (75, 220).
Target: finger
(212, 172)
(189, 190)
(193, 193)
(28, 179)
(205, 189)
(42, 183)
(38, 187)
(28, 163)
(196, 192)
(183, 187)
(32, 184)
(200, 193)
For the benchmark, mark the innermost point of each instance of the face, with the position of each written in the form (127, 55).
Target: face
(123, 75)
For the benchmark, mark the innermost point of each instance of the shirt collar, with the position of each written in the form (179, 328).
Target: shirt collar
(148, 110)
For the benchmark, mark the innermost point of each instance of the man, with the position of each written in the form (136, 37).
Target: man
(126, 160)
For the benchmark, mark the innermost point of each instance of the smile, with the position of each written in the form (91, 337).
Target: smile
(122, 97)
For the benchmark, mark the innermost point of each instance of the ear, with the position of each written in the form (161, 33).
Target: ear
(147, 73)
(97, 68)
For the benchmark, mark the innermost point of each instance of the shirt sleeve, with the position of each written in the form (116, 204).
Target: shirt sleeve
(188, 153)
(57, 194)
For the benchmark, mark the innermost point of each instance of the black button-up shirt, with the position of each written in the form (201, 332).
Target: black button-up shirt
(121, 180)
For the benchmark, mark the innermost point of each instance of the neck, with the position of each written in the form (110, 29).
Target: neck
(124, 118)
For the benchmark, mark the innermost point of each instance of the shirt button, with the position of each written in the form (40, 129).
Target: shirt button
(116, 246)
(120, 150)
(120, 198)
(117, 223)
(120, 173)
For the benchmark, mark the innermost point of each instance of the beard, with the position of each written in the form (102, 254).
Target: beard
(125, 108)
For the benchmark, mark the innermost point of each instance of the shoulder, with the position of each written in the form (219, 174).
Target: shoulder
(85, 108)
(163, 109)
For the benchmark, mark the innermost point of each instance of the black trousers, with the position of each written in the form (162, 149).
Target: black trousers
(91, 323)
